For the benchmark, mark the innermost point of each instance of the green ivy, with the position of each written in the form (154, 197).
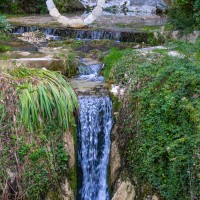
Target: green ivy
(161, 122)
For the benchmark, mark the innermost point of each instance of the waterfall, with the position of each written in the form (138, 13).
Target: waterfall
(95, 123)
(90, 69)
(91, 72)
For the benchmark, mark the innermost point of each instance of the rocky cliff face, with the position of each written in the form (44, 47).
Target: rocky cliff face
(131, 5)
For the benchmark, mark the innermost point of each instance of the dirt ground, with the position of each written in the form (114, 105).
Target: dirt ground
(105, 21)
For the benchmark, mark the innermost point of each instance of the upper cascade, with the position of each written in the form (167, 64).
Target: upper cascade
(130, 5)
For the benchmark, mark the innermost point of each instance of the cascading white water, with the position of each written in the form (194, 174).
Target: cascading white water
(91, 72)
(95, 123)
(90, 69)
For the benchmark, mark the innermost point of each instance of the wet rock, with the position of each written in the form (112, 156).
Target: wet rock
(125, 191)
(88, 61)
(33, 37)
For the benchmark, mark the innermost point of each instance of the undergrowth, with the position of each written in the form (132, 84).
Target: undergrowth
(36, 109)
(160, 120)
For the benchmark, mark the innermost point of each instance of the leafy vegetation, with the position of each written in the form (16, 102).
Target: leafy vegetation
(40, 94)
(36, 6)
(113, 57)
(185, 14)
(4, 25)
(160, 120)
(4, 48)
(36, 109)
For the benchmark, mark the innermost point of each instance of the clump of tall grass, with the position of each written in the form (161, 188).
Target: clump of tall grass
(42, 96)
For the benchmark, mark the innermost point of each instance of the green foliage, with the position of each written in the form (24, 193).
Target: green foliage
(71, 62)
(162, 121)
(4, 25)
(45, 162)
(185, 14)
(5, 36)
(23, 6)
(33, 6)
(4, 48)
(41, 94)
(37, 6)
(5, 5)
(188, 49)
(68, 5)
(110, 60)
(36, 108)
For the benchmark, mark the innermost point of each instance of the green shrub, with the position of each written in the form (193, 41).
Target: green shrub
(68, 5)
(4, 25)
(185, 14)
(161, 122)
(37, 6)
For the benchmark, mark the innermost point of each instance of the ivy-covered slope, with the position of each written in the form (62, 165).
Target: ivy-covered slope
(160, 119)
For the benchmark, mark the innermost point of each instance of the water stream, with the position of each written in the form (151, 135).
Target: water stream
(94, 127)
(117, 35)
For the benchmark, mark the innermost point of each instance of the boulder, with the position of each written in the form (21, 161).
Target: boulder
(125, 191)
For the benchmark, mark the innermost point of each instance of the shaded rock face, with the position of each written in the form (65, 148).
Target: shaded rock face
(115, 162)
(122, 186)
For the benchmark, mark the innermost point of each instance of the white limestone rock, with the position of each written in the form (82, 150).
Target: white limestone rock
(54, 12)
(117, 90)
(176, 54)
(125, 191)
